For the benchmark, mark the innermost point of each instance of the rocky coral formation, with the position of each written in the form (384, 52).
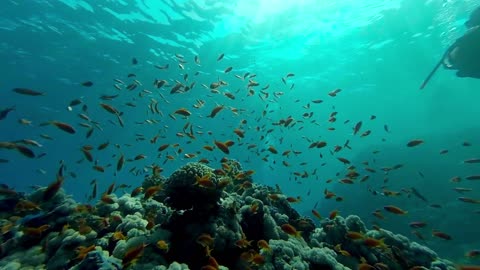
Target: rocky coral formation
(221, 217)
(193, 186)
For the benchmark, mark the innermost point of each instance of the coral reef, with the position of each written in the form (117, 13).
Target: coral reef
(222, 218)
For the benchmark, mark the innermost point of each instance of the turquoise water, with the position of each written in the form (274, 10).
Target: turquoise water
(376, 52)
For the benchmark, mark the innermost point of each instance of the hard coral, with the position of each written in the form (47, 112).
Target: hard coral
(184, 192)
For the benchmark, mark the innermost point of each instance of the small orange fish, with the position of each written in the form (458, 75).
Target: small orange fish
(344, 252)
(204, 181)
(316, 214)
(334, 92)
(149, 192)
(417, 224)
(240, 133)
(136, 191)
(163, 147)
(272, 150)
(257, 259)
(150, 224)
(263, 245)
(208, 147)
(354, 235)
(103, 146)
(53, 188)
(441, 235)
(395, 210)
(245, 185)
(183, 112)
(243, 242)
(84, 229)
(87, 155)
(215, 111)
(107, 199)
(35, 231)
(189, 155)
(24, 150)
(27, 91)
(110, 188)
(223, 183)
(249, 172)
(162, 245)
(346, 181)
(226, 167)
(205, 240)
(366, 133)
(109, 108)
(290, 230)
(414, 142)
(469, 200)
(294, 200)
(329, 194)
(82, 251)
(273, 196)
(139, 157)
(222, 146)
(25, 205)
(219, 172)
(247, 256)
(473, 253)
(118, 235)
(212, 262)
(357, 127)
(254, 208)
(372, 242)
(98, 168)
(63, 126)
(132, 255)
(204, 161)
(333, 214)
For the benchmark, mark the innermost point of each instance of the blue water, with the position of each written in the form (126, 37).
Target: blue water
(376, 52)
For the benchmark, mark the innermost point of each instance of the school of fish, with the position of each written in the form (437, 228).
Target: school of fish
(253, 130)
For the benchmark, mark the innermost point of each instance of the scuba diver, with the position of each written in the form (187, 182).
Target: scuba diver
(464, 55)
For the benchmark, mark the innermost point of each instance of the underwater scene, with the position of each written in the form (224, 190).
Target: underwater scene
(242, 134)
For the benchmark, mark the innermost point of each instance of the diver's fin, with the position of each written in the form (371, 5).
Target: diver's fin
(431, 74)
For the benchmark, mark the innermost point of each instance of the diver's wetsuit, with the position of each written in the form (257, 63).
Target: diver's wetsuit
(464, 55)
(474, 19)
